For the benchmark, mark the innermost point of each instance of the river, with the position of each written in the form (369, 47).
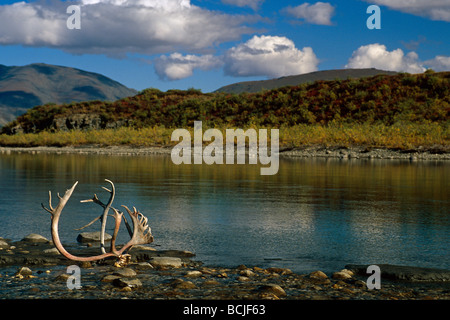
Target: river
(314, 214)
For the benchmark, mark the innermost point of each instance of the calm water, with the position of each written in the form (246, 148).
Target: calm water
(314, 214)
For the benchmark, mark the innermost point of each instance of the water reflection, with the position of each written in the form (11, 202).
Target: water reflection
(314, 214)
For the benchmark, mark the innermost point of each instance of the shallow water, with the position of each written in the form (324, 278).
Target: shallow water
(314, 214)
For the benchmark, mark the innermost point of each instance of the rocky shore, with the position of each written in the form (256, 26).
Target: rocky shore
(435, 153)
(33, 269)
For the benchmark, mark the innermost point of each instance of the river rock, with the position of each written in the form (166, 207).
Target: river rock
(272, 289)
(92, 237)
(342, 275)
(282, 271)
(125, 272)
(165, 262)
(35, 238)
(143, 266)
(4, 244)
(182, 284)
(126, 282)
(247, 273)
(243, 278)
(143, 247)
(194, 274)
(110, 278)
(24, 271)
(51, 251)
(318, 275)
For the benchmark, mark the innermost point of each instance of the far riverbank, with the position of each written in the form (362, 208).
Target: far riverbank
(438, 153)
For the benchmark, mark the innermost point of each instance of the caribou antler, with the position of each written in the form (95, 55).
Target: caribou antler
(141, 233)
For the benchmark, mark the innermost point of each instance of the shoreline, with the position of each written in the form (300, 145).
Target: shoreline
(33, 269)
(438, 153)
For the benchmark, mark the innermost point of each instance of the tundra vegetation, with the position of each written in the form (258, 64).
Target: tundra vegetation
(400, 111)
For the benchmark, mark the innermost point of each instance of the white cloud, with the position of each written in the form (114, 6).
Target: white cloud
(269, 56)
(176, 66)
(318, 13)
(118, 27)
(254, 4)
(433, 9)
(377, 56)
(438, 63)
(165, 4)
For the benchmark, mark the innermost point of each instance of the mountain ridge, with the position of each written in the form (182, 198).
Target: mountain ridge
(24, 87)
(325, 75)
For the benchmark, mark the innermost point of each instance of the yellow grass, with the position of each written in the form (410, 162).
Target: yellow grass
(403, 136)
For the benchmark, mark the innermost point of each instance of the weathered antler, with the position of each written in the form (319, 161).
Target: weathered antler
(141, 233)
(104, 216)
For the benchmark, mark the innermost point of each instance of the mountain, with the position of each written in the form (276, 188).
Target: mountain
(340, 74)
(22, 88)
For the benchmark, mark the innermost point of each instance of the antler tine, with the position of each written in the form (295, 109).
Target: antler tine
(105, 214)
(141, 231)
(130, 232)
(49, 203)
(94, 199)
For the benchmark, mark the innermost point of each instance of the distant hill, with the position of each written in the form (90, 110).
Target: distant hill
(386, 99)
(341, 74)
(22, 88)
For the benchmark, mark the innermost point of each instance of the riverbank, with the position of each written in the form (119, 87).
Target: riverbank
(31, 269)
(435, 153)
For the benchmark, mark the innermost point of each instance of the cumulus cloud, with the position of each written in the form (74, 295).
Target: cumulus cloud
(318, 13)
(377, 56)
(254, 4)
(433, 9)
(117, 27)
(439, 63)
(176, 66)
(270, 56)
(166, 4)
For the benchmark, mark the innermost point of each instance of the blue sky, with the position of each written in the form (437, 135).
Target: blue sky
(207, 44)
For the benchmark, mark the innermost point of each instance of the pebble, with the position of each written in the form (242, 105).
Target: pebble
(247, 273)
(318, 275)
(281, 271)
(35, 238)
(242, 278)
(110, 278)
(165, 262)
(125, 272)
(86, 237)
(181, 284)
(342, 275)
(194, 274)
(272, 289)
(125, 282)
(24, 272)
(51, 251)
(4, 244)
